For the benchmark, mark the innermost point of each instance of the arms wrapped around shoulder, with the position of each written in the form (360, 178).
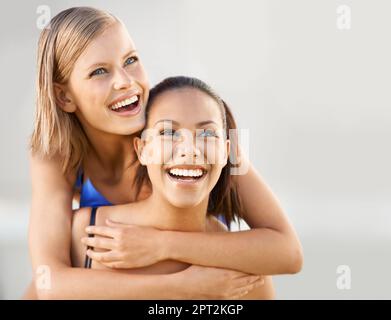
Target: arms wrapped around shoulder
(50, 245)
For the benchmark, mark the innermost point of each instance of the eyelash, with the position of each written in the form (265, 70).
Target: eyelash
(213, 134)
(96, 73)
(162, 132)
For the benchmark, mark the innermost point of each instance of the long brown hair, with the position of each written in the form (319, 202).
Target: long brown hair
(224, 199)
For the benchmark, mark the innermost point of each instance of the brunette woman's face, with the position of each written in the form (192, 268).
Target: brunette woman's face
(108, 85)
(184, 147)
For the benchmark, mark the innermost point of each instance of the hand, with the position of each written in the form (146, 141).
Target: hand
(200, 282)
(128, 246)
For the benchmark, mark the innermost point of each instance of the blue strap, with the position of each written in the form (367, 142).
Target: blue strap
(79, 179)
(88, 260)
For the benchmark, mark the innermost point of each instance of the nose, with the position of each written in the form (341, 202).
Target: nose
(187, 150)
(122, 80)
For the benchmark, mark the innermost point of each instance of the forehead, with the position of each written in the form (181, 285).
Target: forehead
(188, 106)
(114, 41)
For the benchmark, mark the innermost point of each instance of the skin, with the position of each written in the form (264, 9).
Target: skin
(273, 246)
(172, 205)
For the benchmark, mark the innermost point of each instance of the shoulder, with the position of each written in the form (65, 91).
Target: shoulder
(80, 220)
(214, 224)
(129, 213)
(49, 170)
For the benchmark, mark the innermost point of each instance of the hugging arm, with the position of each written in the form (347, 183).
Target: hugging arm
(50, 245)
(50, 239)
(270, 247)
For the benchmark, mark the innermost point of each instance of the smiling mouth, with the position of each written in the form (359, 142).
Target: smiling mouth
(126, 105)
(188, 175)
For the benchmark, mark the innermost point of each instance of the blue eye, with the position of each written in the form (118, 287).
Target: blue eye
(167, 132)
(208, 133)
(98, 72)
(130, 60)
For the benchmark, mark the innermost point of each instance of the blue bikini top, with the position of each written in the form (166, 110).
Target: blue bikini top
(89, 196)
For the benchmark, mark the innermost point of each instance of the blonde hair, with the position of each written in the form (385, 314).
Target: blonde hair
(56, 132)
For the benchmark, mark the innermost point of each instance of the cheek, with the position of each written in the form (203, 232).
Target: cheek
(100, 90)
(214, 152)
(158, 151)
(138, 74)
(91, 95)
(141, 75)
(214, 176)
(155, 174)
(165, 150)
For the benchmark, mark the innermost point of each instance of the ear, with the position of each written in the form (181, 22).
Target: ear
(138, 145)
(63, 99)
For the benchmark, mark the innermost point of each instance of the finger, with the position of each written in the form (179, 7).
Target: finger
(238, 274)
(103, 257)
(108, 232)
(238, 293)
(99, 242)
(241, 282)
(115, 265)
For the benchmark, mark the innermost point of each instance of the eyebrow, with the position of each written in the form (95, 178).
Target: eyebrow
(202, 123)
(100, 64)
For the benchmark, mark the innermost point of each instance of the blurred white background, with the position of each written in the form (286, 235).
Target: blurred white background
(315, 98)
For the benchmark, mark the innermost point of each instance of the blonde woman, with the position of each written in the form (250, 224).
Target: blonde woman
(91, 97)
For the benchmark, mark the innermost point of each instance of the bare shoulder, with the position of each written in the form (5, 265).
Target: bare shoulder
(129, 213)
(81, 217)
(49, 171)
(215, 225)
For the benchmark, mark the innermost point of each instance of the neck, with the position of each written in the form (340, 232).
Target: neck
(168, 217)
(113, 153)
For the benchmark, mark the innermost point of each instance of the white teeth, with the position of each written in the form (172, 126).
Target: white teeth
(124, 103)
(186, 173)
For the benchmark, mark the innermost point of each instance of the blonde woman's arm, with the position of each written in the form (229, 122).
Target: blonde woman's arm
(270, 247)
(50, 245)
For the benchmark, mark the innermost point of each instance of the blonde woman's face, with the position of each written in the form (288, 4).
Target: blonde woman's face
(185, 148)
(108, 84)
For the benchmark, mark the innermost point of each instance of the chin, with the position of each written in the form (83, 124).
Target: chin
(185, 204)
(137, 126)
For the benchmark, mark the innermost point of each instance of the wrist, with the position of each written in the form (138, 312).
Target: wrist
(166, 245)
